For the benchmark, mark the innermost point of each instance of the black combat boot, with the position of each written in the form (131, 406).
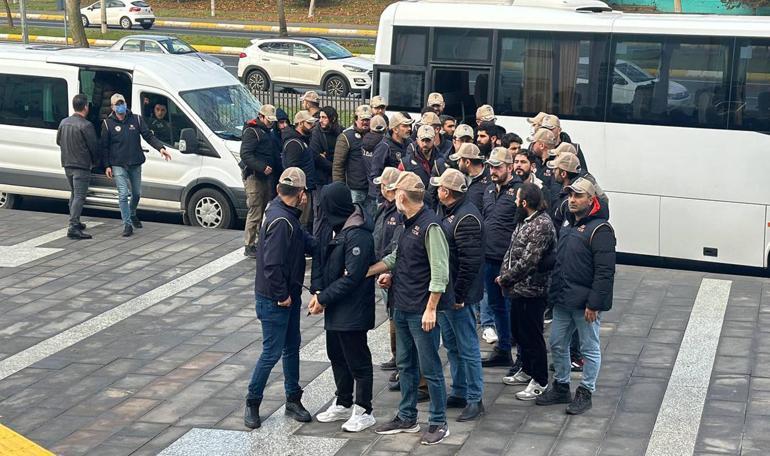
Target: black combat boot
(295, 409)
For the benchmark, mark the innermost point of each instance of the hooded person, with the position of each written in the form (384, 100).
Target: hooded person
(344, 294)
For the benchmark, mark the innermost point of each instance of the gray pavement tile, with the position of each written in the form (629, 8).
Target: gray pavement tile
(732, 365)
(161, 441)
(729, 387)
(757, 427)
(643, 395)
(211, 412)
(586, 427)
(751, 447)
(724, 408)
(183, 402)
(100, 402)
(734, 346)
(658, 355)
(530, 444)
(80, 442)
(576, 447)
(672, 319)
(544, 420)
(56, 429)
(483, 442)
(635, 325)
(632, 424)
(623, 446)
(720, 434)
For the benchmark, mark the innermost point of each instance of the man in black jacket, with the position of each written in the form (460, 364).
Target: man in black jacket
(280, 273)
(297, 154)
(423, 159)
(79, 152)
(258, 165)
(349, 165)
(346, 297)
(123, 156)
(461, 221)
(392, 149)
(581, 288)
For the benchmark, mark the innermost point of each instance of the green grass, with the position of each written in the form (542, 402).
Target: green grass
(113, 34)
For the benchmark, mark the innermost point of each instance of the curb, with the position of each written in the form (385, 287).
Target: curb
(342, 32)
(208, 49)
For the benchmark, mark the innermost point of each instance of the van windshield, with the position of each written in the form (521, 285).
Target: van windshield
(223, 109)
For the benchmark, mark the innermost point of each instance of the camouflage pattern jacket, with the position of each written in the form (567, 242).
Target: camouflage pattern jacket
(523, 273)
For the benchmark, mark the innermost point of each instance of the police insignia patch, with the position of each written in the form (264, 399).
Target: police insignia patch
(356, 251)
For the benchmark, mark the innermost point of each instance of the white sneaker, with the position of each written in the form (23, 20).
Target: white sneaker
(519, 378)
(359, 420)
(489, 335)
(334, 413)
(531, 392)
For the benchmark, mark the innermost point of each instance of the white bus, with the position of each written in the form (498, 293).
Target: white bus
(671, 111)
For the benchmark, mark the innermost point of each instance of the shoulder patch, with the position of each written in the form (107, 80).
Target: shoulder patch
(356, 251)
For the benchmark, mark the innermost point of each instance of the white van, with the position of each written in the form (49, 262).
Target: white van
(207, 108)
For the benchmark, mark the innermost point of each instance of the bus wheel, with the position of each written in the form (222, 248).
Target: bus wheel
(8, 201)
(209, 208)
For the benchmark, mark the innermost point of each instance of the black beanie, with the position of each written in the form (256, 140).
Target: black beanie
(336, 204)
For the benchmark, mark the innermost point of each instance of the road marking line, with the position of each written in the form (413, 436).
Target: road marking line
(275, 437)
(12, 443)
(65, 339)
(676, 428)
(25, 252)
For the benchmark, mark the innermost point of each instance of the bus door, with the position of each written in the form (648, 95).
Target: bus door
(464, 90)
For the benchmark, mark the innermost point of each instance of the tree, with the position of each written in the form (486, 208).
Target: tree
(8, 13)
(75, 23)
(753, 4)
(282, 30)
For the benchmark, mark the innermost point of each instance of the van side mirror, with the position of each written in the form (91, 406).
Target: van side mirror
(188, 141)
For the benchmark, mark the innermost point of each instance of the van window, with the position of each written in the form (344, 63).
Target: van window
(165, 118)
(33, 101)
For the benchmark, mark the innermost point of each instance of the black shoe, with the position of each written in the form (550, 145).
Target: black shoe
(393, 383)
(250, 251)
(77, 233)
(581, 403)
(295, 409)
(251, 417)
(456, 402)
(434, 434)
(422, 396)
(81, 226)
(497, 358)
(471, 411)
(136, 222)
(128, 230)
(397, 426)
(558, 393)
(389, 365)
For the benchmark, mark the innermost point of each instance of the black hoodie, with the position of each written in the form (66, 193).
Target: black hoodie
(296, 153)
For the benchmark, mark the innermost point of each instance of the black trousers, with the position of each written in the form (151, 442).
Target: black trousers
(527, 329)
(351, 361)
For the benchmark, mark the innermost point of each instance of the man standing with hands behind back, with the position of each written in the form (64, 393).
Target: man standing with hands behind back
(124, 157)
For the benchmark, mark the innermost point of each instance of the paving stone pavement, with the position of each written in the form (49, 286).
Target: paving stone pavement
(141, 384)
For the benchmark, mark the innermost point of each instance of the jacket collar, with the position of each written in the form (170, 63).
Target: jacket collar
(293, 210)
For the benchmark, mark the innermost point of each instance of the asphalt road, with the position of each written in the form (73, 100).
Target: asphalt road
(190, 31)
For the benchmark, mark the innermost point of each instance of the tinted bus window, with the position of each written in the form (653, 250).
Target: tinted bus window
(403, 90)
(750, 105)
(669, 82)
(462, 45)
(32, 101)
(409, 46)
(563, 75)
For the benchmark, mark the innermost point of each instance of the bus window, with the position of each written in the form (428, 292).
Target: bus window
(750, 104)
(403, 90)
(410, 46)
(564, 76)
(667, 82)
(462, 45)
(464, 91)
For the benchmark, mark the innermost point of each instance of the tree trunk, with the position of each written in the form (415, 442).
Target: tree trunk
(8, 13)
(77, 30)
(103, 14)
(282, 30)
(311, 9)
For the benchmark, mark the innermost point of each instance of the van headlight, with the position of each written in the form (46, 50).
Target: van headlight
(354, 69)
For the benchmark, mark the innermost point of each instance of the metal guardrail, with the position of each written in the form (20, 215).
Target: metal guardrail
(290, 102)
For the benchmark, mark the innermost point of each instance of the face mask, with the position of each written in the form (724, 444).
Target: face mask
(121, 109)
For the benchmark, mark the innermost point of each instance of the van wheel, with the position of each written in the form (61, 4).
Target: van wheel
(336, 86)
(257, 81)
(125, 23)
(209, 208)
(85, 21)
(9, 201)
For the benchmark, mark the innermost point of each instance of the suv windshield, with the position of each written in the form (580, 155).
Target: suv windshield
(330, 49)
(223, 109)
(177, 46)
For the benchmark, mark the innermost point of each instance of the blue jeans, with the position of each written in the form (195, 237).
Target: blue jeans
(369, 204)
(483, 313)
(499, 304)
(563, 326)
(416, 351)
(458, 329)
(128, 180)
(280, 339)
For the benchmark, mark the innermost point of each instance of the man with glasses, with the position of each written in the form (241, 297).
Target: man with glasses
(121, 148)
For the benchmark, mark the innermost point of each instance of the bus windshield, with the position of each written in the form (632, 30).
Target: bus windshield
(223, 109)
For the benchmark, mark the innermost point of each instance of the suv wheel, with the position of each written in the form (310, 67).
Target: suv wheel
(336, 86)
(257, 81)
(8, 200)
(209, 208)
(125, 23)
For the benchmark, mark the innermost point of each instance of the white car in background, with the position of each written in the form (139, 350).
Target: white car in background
(123, 13)
(306, 62)
(162, 44)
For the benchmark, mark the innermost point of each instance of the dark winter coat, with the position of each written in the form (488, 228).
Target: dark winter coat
(297, 154)
(521, 275)
(499, 218)
(465, 236)
(79, 145)
(322, 143)
(120, 141)
(258, 150)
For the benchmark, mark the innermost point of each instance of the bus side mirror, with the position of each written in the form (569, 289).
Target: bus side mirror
(188, 141)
